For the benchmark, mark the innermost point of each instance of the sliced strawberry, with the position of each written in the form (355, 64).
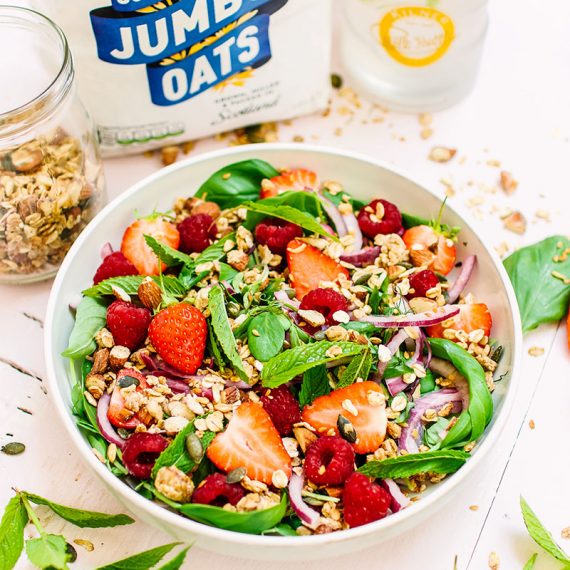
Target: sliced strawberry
(370, 422)
(119, 415)
(137, 251)
(296, 179)
(426, 238)
(250, 441)
(471, 317)
(308, 267)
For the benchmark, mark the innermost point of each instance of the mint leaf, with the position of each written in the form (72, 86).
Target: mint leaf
(143, 560)
(296, 361)
(265, 336)
(223, 330)
(49, 550)
(540, 535)
(81, 517)
(447, 461)
(91, 315)
(130, 285)
(359, 367)
(531, 562)
(167, 254)
(14, 520)
(315, 384)
(176, 562)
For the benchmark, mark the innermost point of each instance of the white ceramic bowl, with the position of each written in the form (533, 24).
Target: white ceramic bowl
(365, 178)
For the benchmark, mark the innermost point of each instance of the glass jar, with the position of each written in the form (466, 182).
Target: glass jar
(51, 178)
(413, 55)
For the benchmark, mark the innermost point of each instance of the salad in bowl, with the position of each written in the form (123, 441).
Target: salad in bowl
(274, 356)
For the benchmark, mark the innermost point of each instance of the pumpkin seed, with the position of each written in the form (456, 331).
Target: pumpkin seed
(13, 448)
(71, 552)
(496, 353)
(236, 475)
(127, 381)
(194, 447)
(346, 429)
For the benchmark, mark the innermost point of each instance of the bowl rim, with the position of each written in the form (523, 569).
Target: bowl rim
(169, 518)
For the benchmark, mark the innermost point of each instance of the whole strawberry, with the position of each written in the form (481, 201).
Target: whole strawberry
(128, 323)
(178, 333)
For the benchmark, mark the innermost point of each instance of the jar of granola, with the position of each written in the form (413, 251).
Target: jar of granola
(51, 179)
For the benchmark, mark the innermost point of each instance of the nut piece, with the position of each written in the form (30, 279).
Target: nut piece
(174, 484)
(238, 259)
(95, 384)
(169, 154)
(422, 304)
(515, 222)
(508, 183)
(100, 361)
(149, 293)
(25, 159)
(210, 208)
(118, 356)
(421, 257)
(314, 318)
(304, 436)
(442, 154)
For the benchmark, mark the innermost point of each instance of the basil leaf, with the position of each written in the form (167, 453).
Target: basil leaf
(295, 361)
(90, 317)
(447, 461)
(236, 183)
(542, 298)
(176, 562)
(540, 535)
(265, 336)
(223, 330)
(14, 520)
(290, 214)
(143, 560)
(48, 550)
(130, 285)
(80, 517)
(315, 384)
(531, 562)
(359, 367)
(254, 522)
(168, 255)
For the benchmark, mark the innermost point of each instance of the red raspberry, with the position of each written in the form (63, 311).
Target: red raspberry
(364, 501)
(215, 490)
(128, 323)
(335, 455)
(114, 265)
(325, 301)
(422, 282)
(283, 409)
(140, 453)
(276, 234)
(196, 233)
(391, 222)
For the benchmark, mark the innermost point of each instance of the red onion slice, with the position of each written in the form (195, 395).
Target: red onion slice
(399, 500)
(361, 257)
(178, 386)
(395, 385)
(466, 269)
(282, 297)
(159, 367)
(418, 320)
(352, 227)
(334, 215)
(303, 511)
(447, 370)
(105, 427)
(106, 249)
(393, 346)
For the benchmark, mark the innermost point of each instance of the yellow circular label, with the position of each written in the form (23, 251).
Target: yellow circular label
(415, 35)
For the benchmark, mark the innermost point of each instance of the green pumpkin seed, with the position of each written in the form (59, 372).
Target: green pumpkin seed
(236, 475)
(496, 353)
(13, 448)
(336, 81)
(71, 552)
(346, 429)
(194, 447)
(127, 381)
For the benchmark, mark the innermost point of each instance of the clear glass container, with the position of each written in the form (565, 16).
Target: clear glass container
(51, 178)
(413, 55)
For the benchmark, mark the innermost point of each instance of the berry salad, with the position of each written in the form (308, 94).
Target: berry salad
(273, 356)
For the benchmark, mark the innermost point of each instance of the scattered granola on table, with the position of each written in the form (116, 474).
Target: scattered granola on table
(270, 356)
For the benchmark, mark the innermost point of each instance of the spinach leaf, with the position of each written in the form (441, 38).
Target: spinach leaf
(91, 316)
(214, 349)
(542, 298)
(359, 367)
(223, 330)
(307, 202)
(48, 551)
(409, 221)
(236, 183)
(447, 461)
(176, 562)
(253, 522)
(427, 383)
(397, 366)
(315, 383)
(227, 272)
(531, 562)
(130, 285)
(281, 529)
(374, 300)
(363, 328)
(540, 535)
(432, 435)
(265, 336)
(143, 560)
(168, 255)
(341, 197)
(295, 361)
(80, 517)
(14, 520)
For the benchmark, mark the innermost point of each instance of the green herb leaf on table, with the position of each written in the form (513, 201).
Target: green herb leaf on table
(48, 550)
(315, 383)
(14, 520)
(91, 315)
(531, 562)
(176, 562)
(359, 367)
(542, 298)
(265, 336)
(236, 183)
(403, 466)
(130, 284)
(168, 255)
(295, 361)
(143, 560)
(540, 535)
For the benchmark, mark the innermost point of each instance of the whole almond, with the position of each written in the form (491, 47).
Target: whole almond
(149, 294)
(304, 436)
(210, 208)
(421, 257)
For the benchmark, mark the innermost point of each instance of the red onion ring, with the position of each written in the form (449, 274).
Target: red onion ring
(106, 249)
(352, 227)
(303, 511)
(178, 386)
(282, 297)
(393, 346)
(361, 257)
(334, 215)
(399, 500)
(105, 427)
(466, 269)
(395, 385)
(447, 370)
(418, 320)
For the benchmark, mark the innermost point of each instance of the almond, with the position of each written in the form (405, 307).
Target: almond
(422, 304)
(149, 293)
(304, 436)
(515, 222)
(508, 183)
(118, 356)
(421, 257)
(442, 154)
(210, 208)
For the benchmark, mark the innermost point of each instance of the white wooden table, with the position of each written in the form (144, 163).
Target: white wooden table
(518, 115)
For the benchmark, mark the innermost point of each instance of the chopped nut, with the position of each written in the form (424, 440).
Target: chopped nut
(112, 452)
(494, 561)
(279, 479)
(515, 222)
(333, 351)
(304, 436)
(314, 318)
(169, 154)
(336, 333)
(422, 304)
(174, 484)
(210, 208)
(531, 424)
(508, 183)
(87, 544)
(565, 532)
(174, 424)
(118, 356)
(384, 353)
(421, 257)
(95, 384)
(442, 154)
(149, 293)
(100, 361)
(104, 338)
(237, 259)
(215, 421)
(399, 403)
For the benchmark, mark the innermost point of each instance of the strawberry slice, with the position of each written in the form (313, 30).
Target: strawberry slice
(471, 317)
(119, 415)
(136, 250)
(308, 267)
(370, 422)
(296, 179)
(420, 238)
(250, 441)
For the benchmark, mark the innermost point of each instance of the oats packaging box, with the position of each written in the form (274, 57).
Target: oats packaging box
(153, 73)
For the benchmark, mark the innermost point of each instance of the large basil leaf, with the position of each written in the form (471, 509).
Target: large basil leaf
(91, 316)
(542, 298)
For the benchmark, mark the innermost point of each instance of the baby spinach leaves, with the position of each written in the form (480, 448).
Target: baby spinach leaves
(265, 336)
(315, 383)
(90, 317)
